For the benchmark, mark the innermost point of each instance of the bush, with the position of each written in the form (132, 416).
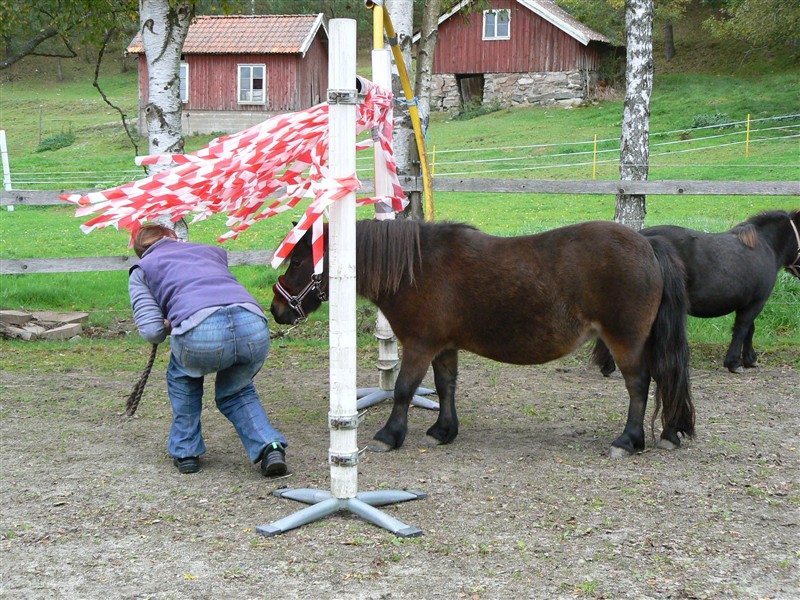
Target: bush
(54, 142)
(717, 118)
(475, 108)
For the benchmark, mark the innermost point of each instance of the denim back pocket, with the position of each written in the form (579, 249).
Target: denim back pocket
(207, 360)
(259, 348)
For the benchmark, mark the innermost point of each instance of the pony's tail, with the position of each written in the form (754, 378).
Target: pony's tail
(601, 357)
(668, 347)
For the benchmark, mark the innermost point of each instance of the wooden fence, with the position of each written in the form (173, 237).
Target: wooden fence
(410, 184)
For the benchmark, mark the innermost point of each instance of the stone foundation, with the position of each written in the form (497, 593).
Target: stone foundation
(569, 88)
(195, 122)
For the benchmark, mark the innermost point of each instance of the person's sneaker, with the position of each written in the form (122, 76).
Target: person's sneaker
(190, 464)
(274, 462)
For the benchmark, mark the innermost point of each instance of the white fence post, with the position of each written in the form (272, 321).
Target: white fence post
(6, 168)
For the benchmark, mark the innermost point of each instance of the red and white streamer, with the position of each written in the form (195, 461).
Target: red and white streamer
(236, 174)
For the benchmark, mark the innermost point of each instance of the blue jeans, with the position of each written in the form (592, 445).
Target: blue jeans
(233, 343)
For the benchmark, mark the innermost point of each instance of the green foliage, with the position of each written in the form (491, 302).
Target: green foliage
(604, 16)
(769, 24)
(716, 118)
(54, 142)
(475, 108)
(56, 28)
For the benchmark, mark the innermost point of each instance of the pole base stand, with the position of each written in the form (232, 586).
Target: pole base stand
(323, 503)
(374, 395)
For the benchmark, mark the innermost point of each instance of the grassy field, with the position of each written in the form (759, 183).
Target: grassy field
(546, 143)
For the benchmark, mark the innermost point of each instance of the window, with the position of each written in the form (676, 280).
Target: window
(251, 84)
(497, 24)
(184, 77)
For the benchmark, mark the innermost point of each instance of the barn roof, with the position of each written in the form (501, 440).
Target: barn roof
(247, 34)
(551, 13)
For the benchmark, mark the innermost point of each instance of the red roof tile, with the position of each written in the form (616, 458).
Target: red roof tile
(246, 34)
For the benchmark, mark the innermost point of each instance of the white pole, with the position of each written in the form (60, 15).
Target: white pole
(343, 417)
(388, 358)
(6, 169)
(343, 452)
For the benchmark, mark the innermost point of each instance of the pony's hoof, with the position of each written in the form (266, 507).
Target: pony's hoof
(666, 444)
(752, 365)
(617, 452)
(379, 446)
(737, 370)
(431, 442)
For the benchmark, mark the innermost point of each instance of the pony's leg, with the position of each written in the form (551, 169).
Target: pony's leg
(749, 356)
(445, 372)
(742, 325)
(637, 382)
(412, 369)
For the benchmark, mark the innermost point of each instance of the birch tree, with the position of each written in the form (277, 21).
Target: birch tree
(401, 12)
(164, 25)
(429, 34)
(635, 139)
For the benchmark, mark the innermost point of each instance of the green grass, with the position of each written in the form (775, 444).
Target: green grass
(679, 100)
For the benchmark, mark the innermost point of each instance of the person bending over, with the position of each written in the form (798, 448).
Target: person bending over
(187, 291)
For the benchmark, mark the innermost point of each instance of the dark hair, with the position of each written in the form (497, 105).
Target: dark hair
(149, 235)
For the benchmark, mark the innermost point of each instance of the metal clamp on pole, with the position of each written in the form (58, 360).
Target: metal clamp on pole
(344, 422)
(345, 97)
(346, 460)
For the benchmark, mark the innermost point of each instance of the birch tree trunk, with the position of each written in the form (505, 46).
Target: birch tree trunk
(401, 12)
(429, 34)
(635, 140)
(164, 25)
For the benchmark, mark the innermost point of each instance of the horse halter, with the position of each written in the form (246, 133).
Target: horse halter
(296, 302)
(794, 268)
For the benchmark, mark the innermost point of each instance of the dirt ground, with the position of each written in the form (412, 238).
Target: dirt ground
(524, 504)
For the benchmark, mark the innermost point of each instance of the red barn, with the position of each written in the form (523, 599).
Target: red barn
(237, 71)
(514, 52)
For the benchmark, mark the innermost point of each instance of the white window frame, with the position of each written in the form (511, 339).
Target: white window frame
(239, 90)
(184, 77)
(495, 13)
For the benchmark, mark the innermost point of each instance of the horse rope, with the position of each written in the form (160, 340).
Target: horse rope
(136, 394)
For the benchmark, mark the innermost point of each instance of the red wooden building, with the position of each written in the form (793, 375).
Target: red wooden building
(237, 71)
(514, 52)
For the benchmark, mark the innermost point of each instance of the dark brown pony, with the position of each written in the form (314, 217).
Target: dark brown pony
(731, 271)
(521, 300)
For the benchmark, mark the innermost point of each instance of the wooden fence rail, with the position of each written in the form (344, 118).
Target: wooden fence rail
(410, 184)
(519, 186)
(82, 264)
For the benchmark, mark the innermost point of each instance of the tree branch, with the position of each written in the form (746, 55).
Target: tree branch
(96, 84)
(29, 48)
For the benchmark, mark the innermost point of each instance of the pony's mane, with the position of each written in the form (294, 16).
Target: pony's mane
(747, 231)
(388, 251)
(385, 254)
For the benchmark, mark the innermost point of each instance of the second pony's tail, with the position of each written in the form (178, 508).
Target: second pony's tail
(668, 348)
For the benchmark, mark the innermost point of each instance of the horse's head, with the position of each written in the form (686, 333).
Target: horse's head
(298, 291)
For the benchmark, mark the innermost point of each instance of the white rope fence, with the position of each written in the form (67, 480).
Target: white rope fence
(509, 164)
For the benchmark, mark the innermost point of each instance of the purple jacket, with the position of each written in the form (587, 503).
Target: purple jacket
(185, 278)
